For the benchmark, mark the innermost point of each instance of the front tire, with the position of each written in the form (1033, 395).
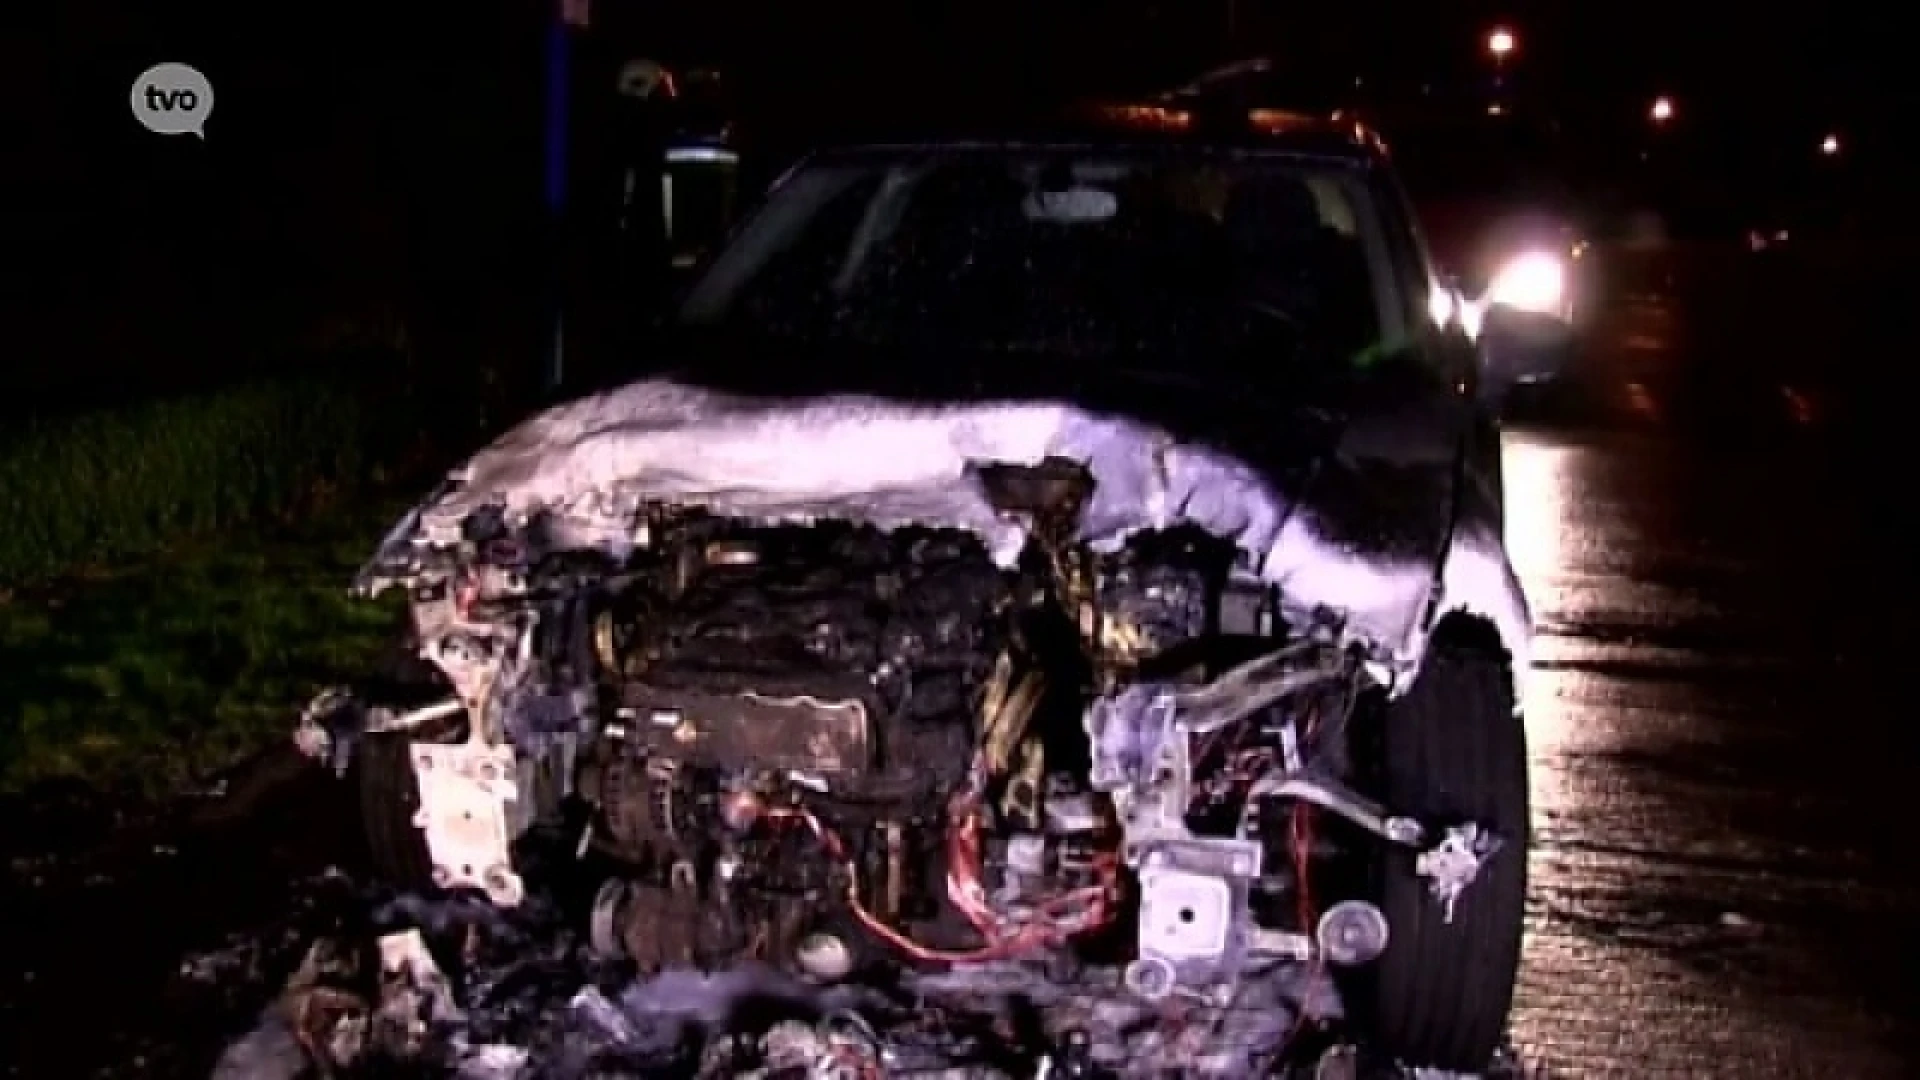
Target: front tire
(389, 797)
(389, 793)
(1451, 750)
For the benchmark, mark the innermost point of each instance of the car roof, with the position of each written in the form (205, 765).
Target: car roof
(1131, 124)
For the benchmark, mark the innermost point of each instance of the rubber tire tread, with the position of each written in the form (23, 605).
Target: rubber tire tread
(389, 796)
(1453, 749)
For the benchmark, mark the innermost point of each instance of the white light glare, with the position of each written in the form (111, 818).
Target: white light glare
(1451, 310)
(1534, 282)
(1440, 305)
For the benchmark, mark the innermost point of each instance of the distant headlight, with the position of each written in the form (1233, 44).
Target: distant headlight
(1535, 281)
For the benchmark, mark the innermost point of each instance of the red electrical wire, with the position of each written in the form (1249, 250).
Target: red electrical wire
(1003, 941)
(1300, 837)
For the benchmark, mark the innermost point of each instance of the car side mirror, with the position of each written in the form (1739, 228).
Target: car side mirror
(1520, 348)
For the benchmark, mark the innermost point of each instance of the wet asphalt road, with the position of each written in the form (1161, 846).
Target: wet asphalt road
(1722, 884)
(1722, 878)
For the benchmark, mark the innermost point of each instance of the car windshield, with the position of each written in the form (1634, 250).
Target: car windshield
(1135, 258)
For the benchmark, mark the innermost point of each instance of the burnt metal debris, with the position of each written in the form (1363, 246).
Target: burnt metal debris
(442, 986)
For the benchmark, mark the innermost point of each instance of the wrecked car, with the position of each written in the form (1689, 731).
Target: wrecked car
(1066, 563)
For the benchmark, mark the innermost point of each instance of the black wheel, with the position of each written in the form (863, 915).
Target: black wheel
(1452, 750)
(389, 796)
(383, 770)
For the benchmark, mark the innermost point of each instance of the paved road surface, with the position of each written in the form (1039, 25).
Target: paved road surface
(1722, 884)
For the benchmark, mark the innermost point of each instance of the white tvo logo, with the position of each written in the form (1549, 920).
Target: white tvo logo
(173, 99)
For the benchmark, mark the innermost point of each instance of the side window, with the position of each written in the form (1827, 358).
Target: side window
(1349, 208)
(1336, 207)
(1411, 258)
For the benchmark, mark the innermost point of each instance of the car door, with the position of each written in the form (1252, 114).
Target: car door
(1450, 352)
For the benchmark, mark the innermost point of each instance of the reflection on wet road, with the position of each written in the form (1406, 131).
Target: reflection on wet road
(1721, 884)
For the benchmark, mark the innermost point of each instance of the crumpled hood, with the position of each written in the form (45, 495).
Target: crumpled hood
(595, 461)
(858, 458)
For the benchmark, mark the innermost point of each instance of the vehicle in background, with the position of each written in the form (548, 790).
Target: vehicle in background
(1501, 204)
(1503, 208)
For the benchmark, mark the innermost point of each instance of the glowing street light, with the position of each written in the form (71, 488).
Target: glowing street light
(1662, 110)
(1830, 145)
(1500, 42)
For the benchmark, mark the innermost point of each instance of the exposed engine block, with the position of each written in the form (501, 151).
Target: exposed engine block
(775, 686)
(883, 638)
(830, 743)
(828, 747)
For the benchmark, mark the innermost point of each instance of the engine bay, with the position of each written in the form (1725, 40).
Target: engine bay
(842, 751)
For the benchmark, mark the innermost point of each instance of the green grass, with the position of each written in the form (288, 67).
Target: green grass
(119, 481)
(141, 680)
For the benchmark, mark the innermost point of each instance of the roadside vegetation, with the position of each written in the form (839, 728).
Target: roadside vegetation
(143, 680)
(103, 485)
(173, 572)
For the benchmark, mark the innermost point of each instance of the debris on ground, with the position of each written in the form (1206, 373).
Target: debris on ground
(448, 986)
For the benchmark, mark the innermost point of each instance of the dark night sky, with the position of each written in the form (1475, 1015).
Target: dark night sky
(365, 147)
(1826, 59)
(292, 76)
